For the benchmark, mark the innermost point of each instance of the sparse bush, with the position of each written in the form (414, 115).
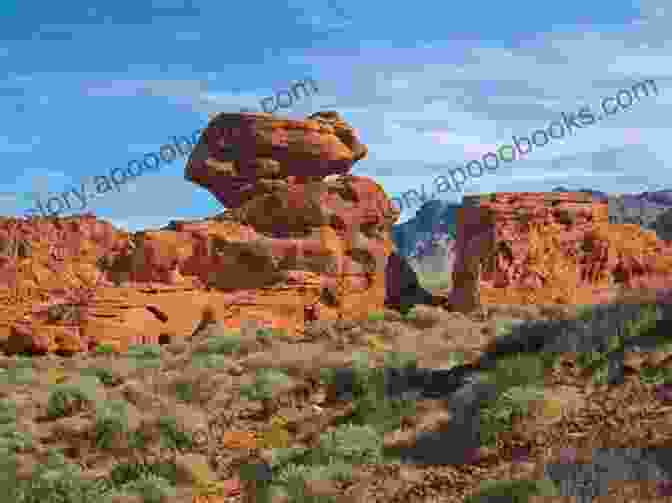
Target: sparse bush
(152, 488)
(21, 373)
(513, 491)
(519, 369)
(184, 391)
(352, 444)
(55, 481)
(7, 411)
(400, 360)
(13, 439)
(104, 349)
(123, 473)
(104, 375)
(265, 381)
(111, 421)
(171, 435)
(144, 351)
(202, 360)
(70, 398)
(496, 416)
(223, 345)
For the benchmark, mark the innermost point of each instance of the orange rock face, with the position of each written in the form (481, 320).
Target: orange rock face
(294, 247)
(240, 155)
(308, 251)
(541, 248)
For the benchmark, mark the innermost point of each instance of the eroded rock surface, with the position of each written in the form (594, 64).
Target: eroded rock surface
(545, 248)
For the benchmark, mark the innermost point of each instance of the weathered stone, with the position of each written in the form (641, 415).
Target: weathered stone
(546, 248)
(237, 149)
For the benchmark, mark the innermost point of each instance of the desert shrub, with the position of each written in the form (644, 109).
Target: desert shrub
(370, 402)
(184, 391)
(400, 360)
(152, 488)
(496, 416)
(262, 387)
(69, 398)
(124, 473)
(144, 351)
(104, 375)
(7, 411)
(54, 481)
(171, 435)
(519, 369)
(20, 373)
(13, 439)
(104, 349)
(111, 421)
(223, 345)
(268, 333)
(202, 360)
(658, 376)
(513, 491)
(352, 444)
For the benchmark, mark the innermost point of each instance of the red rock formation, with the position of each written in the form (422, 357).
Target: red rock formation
(292, 247)
(243, 154)
(538, 248)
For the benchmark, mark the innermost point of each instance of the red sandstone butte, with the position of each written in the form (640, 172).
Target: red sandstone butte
(547, 248)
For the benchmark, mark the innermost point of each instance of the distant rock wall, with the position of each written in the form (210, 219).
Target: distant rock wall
(540, 248)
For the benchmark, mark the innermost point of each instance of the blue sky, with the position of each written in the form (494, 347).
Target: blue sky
(428, 86)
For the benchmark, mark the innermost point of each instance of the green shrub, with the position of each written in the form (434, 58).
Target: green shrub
(171, 435)
(21, 373)
(513, 491)
(104, 375)
(352, 444)
(69, 398)
(265, 381)
(496, 416)
(209, 361)
(13, 439)
(519, 369)
(184, 391)
(124, 473)
(400, 360)
(104, 349)
(650, 375)
(7, 411)
(111, 421)
(152, 488)
(222, 345)
(378, 316)
(55, 481)
(585, 312)
(268, 333)
(144, 351)
(370, 404)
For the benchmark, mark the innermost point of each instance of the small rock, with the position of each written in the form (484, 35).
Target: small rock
(235, 369)
(322, 488)
(176, 348)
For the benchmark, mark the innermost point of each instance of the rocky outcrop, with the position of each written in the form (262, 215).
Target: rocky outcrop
(48, 275)
(545, 248)
(241, 155)
(301, 240)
